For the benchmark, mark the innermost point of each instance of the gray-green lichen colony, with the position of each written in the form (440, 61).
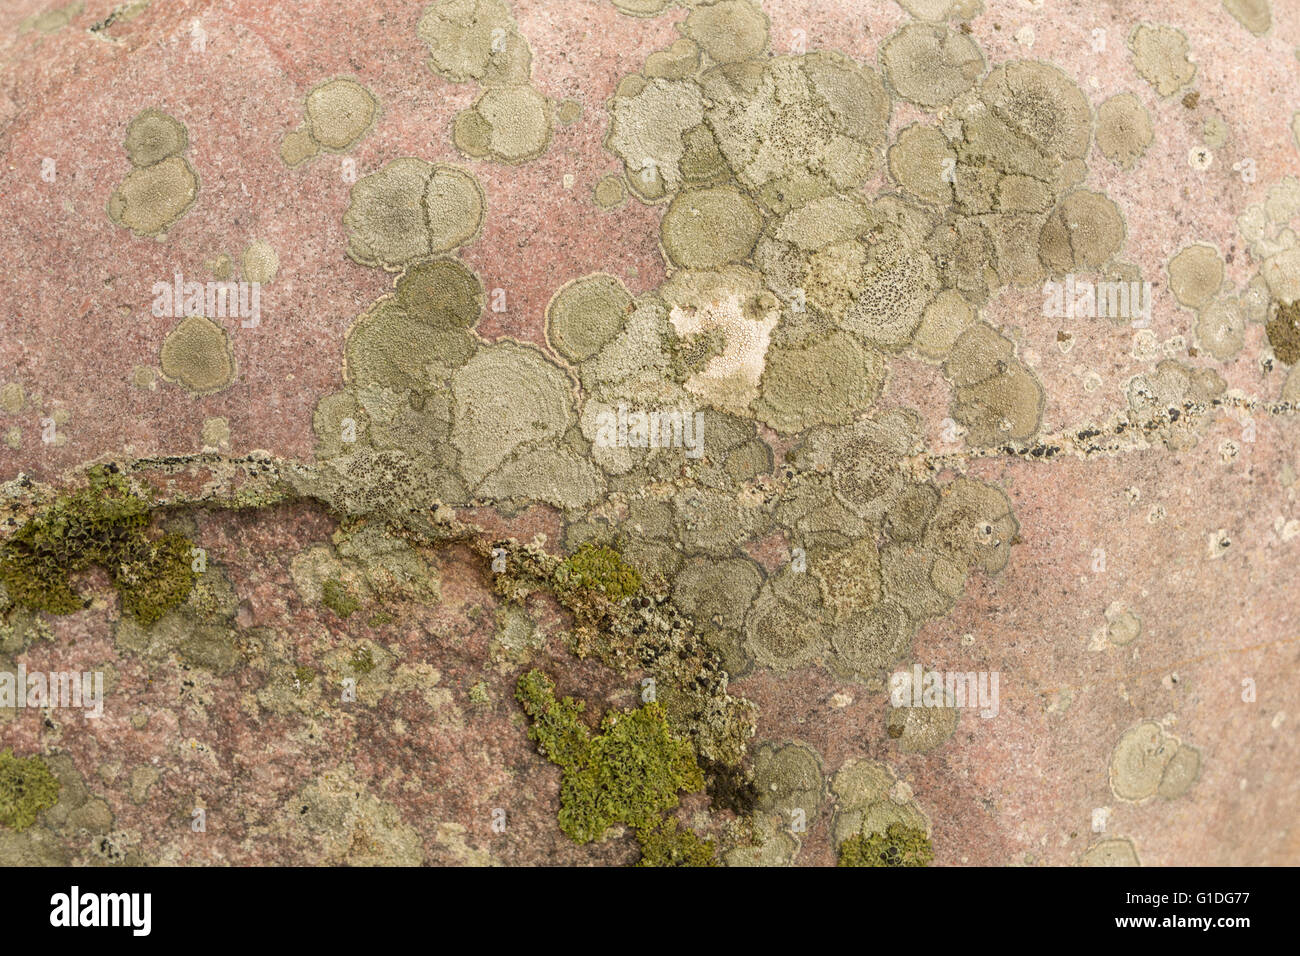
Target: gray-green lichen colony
(478, 41)
(338, 113)
(410, 210)
(789, 293)
(162, 185)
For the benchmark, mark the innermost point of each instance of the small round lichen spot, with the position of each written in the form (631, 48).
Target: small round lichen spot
(261, 263)
(154, 136)
(1082, 234)
(585, 314)
(510, 124)
(610, 192)
(385, 220)
(196, 354)
(568, 111)
(297, 147)
(339, 112)
(1160, 55)
(704, 228)
(729, 31)
(454, 203)
(1123, 129)
(152, 198)
(930, 64)
(1195, 275)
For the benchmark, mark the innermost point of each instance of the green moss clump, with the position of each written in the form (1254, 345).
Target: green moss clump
(598, 567)
(26, 788)
(672, 845)
(104, 524)
(335, 595)
(363, 660)
(630, 772)
(899, 845)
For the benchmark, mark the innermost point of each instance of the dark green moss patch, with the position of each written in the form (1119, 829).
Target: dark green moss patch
(26, 788)
(899, 845)
(630, 772)
(103, 525)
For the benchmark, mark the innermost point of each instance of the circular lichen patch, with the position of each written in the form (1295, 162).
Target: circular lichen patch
(585, 314)
(510, 124)
(789, 779)
(823, 382)
(1195, 275)
(610, 192)
(152, 198)
(917, 163)
(442, 292)
(930, 64)
(1082, 233)
(454, 204)
(154, 136)
(1043, 104)
(1138, 761)
(506, 395)
(1123, 129)
(261, 262)
(729, 31)
(339, 112)
(196, 354)
(704, 228)
(386, 221)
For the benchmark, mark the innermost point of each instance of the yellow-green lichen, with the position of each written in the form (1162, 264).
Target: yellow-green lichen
(597, 567)
(630, 772)
(509, 124)
(1123, 129)
(102, 525)
(898, 846)
(410, 210)
(1161, 56)
(27, 788)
